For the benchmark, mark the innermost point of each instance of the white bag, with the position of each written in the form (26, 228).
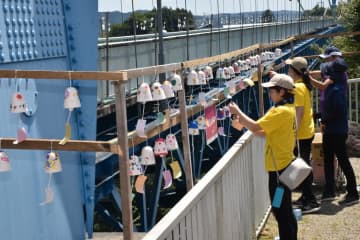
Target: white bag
(295, 173)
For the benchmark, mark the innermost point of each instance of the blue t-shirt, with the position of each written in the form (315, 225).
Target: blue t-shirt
(334, 114)
(336, 71)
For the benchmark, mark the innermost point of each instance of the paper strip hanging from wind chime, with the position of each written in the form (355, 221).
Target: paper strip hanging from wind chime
(172, 144)
(166, 175)
(140, 183)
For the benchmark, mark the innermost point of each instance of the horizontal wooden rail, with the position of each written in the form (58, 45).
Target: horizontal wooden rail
(71, 145)
(74, 75)
(221, 57)
(153, 70)
(307, 36)
(277, 44)
(169, 122)
(344, 54)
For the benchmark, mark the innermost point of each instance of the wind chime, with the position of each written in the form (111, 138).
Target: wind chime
(52, 165)
(143, 96)
(19, 106)
(71, 101)
(4, 161)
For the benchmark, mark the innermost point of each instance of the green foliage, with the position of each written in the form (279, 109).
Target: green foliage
(317, 11)
(315, 49)
(173, 20)
(267, 16)
(350, 18)
(349, 44)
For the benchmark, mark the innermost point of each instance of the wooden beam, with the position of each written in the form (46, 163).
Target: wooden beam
(261, 94)
(277, 44)
(186, 141)
(134, 140)
(153, 70)
(71, 145)
(221, 57)
(125, 187)
(307, 36)
(344, 54)
(75, 75)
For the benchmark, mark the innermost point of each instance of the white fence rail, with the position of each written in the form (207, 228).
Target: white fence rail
(229, 202)
(354, 99)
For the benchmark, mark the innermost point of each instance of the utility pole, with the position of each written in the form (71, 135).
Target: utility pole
(162, 76)
(106, 27)
(135, 43)
(187, 32)
(299, 17)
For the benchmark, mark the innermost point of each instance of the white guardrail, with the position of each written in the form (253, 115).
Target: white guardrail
(230, 202)
(354, 99)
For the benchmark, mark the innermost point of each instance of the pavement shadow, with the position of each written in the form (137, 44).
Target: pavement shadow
(329, 208)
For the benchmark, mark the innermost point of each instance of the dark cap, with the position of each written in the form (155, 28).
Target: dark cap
(330, 51)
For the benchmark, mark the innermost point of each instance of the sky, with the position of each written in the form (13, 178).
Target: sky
(201, 7)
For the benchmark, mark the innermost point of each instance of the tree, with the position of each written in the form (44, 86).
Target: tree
(349, 16)
(317, 11)
(145, 22)
(267, 16)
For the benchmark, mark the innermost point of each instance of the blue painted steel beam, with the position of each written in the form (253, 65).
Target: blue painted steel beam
(155, 192)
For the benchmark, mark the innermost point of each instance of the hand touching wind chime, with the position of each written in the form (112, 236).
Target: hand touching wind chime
(71, 101)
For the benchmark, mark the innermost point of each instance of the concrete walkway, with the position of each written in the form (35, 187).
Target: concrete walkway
(332, 222)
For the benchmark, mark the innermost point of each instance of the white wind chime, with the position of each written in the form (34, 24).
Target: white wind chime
(157, 92)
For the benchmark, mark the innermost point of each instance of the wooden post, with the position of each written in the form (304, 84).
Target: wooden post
(122, 132)
(185, 140)
(261, 95)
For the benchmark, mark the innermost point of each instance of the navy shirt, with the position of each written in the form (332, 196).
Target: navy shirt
(336, 71)
(334, 114)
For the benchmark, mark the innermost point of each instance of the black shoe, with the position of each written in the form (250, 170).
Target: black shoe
(300, 201)
(349, 200)
(328, 197)
(310, 207)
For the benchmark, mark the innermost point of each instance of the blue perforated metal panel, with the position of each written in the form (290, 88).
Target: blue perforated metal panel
(31, 30)
(52, 35)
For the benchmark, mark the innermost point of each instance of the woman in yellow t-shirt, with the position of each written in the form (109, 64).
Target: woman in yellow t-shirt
(278, 125)
(305, 130)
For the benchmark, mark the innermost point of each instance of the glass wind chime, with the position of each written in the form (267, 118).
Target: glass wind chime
(71, 101)
(157, 92)
(19, 106)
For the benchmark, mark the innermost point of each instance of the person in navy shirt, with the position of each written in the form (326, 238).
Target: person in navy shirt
(334, 123)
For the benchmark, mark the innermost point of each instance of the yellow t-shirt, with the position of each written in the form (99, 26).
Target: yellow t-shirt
(279, 126)
(303, 99)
